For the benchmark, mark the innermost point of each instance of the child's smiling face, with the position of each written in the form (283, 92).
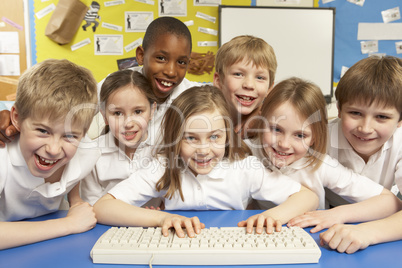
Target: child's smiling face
(367, 128)
(203, 144)
(165, 63)
(47, 145)
(127, 113)
(287, 137)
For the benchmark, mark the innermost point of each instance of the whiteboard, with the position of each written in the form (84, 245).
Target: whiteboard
(302, 38)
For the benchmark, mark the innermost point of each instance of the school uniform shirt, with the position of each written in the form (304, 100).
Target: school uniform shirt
(383, 167)
(228, 186)
(331, 174)
(24, 196)
(154, 126)
(112, 167)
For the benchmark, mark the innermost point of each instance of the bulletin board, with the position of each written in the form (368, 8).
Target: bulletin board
(348, 49)
(113, 26)
(302, 38)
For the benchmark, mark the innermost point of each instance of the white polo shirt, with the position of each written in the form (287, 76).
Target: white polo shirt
(24, 196)
(384, 167)
(228, 186)
(154, 126)
(112, 167)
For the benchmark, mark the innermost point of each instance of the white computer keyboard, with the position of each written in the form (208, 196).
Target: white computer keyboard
(214, 246)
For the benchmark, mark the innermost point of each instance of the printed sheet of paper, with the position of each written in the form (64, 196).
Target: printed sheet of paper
(379, 31)
(137, 21)
(174, 8)
(207, 2)
(10, 65)
(108, 44)
(9, 42)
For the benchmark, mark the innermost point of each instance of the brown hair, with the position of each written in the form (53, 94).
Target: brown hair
(372, 80)
(308, 100)
(57, 89)
(193, 101)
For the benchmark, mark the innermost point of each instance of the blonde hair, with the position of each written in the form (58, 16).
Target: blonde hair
(372, 80)
(56, 89)
(307, 99)
(193, 101)
(253, 49)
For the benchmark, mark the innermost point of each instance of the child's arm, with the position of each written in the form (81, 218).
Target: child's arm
(7, 130)
(74, 196)
(115, 212)
(350, 238)
(373, 208)
(300, 202)
(80, 218)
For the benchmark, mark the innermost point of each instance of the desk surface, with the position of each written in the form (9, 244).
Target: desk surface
(73, 250)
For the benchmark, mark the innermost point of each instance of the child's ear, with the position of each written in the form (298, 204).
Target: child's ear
(217, 80)
(339, 110)
(269, 89)
(15, 120)
(399, 123)
(139, 54)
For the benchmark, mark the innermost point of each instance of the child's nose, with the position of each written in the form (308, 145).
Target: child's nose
(366, 126)
(170, 69)
(248, 82)
(283, 142)
(53, 148)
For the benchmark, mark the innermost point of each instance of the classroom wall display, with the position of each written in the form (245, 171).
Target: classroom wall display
(364, 28)
(302, 38)
(113, 29)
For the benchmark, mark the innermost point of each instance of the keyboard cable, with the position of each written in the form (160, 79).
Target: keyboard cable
(150, 261)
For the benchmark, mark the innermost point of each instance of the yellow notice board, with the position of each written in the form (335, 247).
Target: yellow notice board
(113, 27)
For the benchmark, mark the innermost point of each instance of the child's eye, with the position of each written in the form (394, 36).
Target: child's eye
(261, 78)
(161, 58)
(42, 131)
(182, 62)
(189, 138)
(138, 111)
(300, 136)
(355, 113)
(117, 113)
(382, 117)
(237, 74)
(214, 137)
(274, 129)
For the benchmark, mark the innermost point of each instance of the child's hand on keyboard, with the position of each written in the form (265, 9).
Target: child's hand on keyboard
(193, 225)
(321, 219)
(259, 221)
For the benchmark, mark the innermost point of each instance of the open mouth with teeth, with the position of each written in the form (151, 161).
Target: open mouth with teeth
(202, 162)
(363, 139)
(130, 135)
(164, 85)
(45, 163)
(245, 100)
(281, 154)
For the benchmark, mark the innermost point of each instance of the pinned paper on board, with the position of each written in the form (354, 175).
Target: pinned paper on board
(108, 44)
(390, 15)
(10, 65)
(398, 46)
(369, 46)
(138, 21)
(379, 31)
(207, 2)
(174, 8)
(357, 2)
(9, 42)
